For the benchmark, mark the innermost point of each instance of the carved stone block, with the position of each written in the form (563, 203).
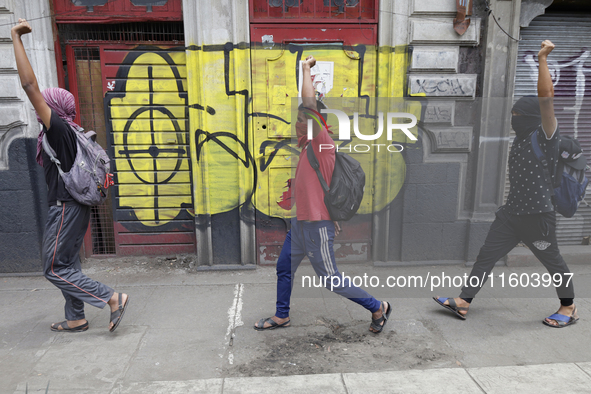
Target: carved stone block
(6, 23)
(458, 85)
(435, 58)
(6, 6)
(10, 87)
(7, 62)
(434, 7)
(431, 31)
(450, 139)
(439, 112)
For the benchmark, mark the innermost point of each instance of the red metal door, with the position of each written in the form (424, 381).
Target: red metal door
(144, 118)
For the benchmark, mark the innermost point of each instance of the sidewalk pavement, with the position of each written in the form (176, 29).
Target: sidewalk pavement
(192, 333)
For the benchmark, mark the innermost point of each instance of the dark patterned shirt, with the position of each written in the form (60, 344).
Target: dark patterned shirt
(529, 192)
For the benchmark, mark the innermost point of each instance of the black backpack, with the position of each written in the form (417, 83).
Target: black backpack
(343, 197)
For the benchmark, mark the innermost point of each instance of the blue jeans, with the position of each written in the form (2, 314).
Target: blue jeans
(315, 240)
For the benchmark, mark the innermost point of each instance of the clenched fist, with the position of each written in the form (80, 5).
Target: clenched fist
(23, 27)
(547, 47)
(310, 61)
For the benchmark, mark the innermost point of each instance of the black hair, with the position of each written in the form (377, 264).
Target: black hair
(319, 105)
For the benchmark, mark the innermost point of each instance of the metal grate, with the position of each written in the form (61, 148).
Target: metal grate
(90, 101)
(325, 11)
(150, 32)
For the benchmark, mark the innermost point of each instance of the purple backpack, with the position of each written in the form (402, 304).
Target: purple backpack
(89, 178)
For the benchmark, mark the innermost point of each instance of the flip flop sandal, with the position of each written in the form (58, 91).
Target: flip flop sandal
(376, 324)
(260, 326)
(63, 327)
(452, 306)
(562, 320)
(117, 315)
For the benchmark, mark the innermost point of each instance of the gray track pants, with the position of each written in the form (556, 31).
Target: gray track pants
(64, 233)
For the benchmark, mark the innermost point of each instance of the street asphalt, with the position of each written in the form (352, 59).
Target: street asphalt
(192, 332)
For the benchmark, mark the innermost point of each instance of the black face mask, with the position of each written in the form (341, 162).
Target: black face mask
(525, 124)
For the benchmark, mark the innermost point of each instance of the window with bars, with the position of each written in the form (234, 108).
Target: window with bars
(152, 32)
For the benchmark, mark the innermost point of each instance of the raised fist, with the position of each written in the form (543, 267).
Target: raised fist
(23, 27)
(547, 47)
(310, 61)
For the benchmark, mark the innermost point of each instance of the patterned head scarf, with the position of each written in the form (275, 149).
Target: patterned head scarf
(63, 104)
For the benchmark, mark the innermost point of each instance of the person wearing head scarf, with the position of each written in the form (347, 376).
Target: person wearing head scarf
(63, 104)
(528, 215)
(67, 220)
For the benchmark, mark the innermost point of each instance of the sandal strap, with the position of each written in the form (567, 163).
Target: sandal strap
(376, 323)
(63, 325)
(560, 318)
(453, 304)
(272, 323)
(384, 316)
(115, 315)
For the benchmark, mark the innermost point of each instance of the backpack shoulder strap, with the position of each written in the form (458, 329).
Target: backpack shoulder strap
(316, 166)
(542, 159)
(51, 153)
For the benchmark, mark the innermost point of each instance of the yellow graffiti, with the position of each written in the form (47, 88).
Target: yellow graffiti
(222, 181)
(274, 86)
(148, 121)
(240, 108)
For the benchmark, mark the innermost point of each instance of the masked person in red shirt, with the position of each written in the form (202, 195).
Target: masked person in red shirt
(312, 231)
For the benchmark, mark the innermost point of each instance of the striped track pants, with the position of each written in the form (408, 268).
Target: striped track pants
(315, 240)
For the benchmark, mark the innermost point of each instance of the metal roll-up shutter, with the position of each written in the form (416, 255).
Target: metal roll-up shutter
(570, 66)
(146, 112)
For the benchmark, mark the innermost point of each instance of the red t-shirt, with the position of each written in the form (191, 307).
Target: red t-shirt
(309, 195)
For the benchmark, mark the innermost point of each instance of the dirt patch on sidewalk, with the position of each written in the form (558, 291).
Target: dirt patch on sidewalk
(332, 347)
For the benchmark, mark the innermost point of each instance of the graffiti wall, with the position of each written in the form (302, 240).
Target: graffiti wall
(146, 108)
(201, 137)
(241, 128)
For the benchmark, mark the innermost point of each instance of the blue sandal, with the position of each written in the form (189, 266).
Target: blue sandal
(562, 320)
(452, 306)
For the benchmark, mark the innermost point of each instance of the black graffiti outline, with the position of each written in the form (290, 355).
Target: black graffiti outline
(215, 136)
(244, 145)
(150, 151)
(120, 91)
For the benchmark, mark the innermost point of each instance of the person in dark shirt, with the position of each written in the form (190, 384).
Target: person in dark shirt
(528, 215)
(67, 220)
(312, 232)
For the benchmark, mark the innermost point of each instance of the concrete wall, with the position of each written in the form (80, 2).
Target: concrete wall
(22, 185)
(430, 220)
(489, 161)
